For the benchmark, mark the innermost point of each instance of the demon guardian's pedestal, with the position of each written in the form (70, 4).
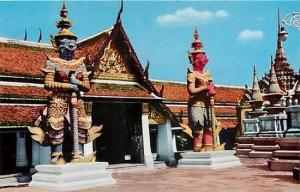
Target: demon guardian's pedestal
(72, 176)
(67, 115)
(206, 153)
(209, 160)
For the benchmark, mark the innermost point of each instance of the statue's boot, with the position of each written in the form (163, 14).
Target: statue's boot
(84, 159)
(197, 141)
(57, 158)
(208, 140)
(220, 147)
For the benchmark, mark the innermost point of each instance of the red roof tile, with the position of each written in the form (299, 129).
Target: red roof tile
(23, 91)
(22, 60)
(172, 91)
(178, 109)
(225, 123)
(225, 112)
(228, 94)
(19, 114)
(228, 123)
(178, 92)
(220, 111)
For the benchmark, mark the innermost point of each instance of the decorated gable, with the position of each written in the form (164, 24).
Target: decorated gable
(112, 66)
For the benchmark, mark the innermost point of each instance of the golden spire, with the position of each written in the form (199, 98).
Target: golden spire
(280, 56)
(256, 93)
(196, 44)
(64, 24)
(273, 86)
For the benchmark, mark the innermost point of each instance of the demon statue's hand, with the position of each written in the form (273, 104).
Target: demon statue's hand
(75, 81)
(75, 87)
(211, 90)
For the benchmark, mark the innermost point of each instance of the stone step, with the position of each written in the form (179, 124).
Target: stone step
(244, 146)
(283, 164)
(213, 166)
(260, 154)
(286, 153)
(264, 140)
(14, 180)
(8, 181)
(207, 155)
(265, 147)
(70, 177)
(242, 151)
(208, 160)
(289, 143)
(244, 140)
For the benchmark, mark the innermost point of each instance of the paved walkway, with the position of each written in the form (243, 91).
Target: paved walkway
(252, 176)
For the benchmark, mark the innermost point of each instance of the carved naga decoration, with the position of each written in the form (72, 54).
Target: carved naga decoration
(202, 120)
(66, 113)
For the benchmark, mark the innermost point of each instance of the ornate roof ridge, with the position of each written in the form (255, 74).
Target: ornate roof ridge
(166, 81)
(47, 45)
(108, 30)
(144, 81)
(25, 43)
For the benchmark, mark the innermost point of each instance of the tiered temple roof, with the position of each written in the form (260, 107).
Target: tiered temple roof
(226, 99)
(23, 96)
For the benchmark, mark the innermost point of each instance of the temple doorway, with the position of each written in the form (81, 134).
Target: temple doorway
(7, 153)
(121, 139)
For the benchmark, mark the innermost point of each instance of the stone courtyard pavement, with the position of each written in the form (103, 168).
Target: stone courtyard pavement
(252, 176)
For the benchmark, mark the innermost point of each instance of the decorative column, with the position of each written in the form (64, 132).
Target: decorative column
(174, 143)
(242, 110)
(148, 159)
(21, 155)
(293, 129)
(88, 148)
(41, 155)
(165, 143)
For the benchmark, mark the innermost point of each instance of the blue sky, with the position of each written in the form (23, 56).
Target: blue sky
(236, 34)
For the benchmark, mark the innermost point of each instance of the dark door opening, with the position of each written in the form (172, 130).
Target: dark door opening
(7, 153)
(121, 139)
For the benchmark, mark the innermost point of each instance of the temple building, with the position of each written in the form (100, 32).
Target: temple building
(138, 114)
(285, 74)
(275, 88)
(268, 113)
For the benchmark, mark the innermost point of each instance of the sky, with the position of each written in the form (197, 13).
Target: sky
(236, 34)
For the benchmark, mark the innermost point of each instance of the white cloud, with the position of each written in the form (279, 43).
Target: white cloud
(189, 14)
(222, 13)
(248, 35)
